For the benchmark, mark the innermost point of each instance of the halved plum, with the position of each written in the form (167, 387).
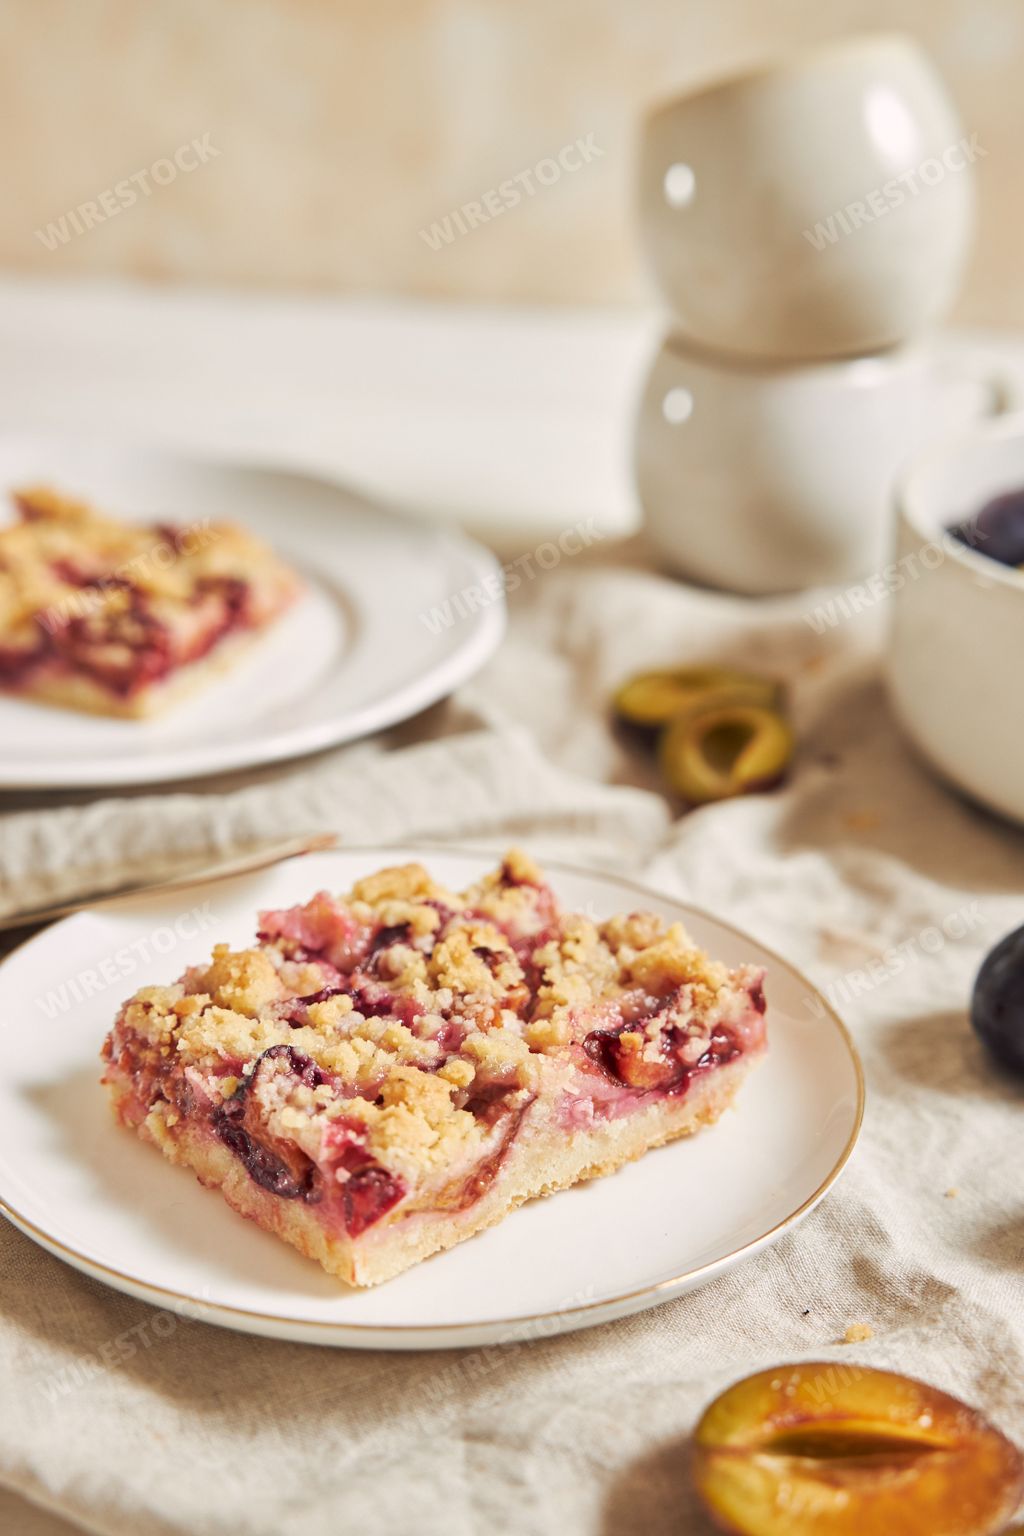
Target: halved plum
(820, 1449)
(367, 1195)
(278, 1166)
(624, 1054)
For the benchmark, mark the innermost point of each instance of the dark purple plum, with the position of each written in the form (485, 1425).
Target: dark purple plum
(291, 1176)
(670, 1073)
(368, 1194)
(263, 1166)
(997, 530)
(385, 937)
(997, 1003)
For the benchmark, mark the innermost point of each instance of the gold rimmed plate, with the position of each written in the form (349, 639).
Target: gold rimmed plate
(112, 1207)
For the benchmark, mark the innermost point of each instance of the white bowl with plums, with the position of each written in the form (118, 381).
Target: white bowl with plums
(957, 639)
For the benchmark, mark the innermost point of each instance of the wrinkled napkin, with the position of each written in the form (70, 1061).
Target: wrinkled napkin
(861, 855)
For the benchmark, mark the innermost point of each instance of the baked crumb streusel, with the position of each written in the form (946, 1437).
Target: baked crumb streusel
(111, 617)
(381, 1075)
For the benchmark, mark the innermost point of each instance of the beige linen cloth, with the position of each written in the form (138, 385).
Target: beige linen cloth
(206, 1431)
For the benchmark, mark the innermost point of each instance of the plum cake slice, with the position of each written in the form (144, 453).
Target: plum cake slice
(121, 618)
(384, 1074)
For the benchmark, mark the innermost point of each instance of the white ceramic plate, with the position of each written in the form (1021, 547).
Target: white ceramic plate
(356, 653)
(108, 1204)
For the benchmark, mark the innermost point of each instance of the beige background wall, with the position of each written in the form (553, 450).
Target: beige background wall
(346, 126)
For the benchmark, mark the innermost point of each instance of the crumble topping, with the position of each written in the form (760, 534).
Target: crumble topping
(477, 959)
(406, 883)
(329, 1014)
(631, 931)
(61, 545)
(575, 966)
(416, 1126)
(674, 959)
(244, 981)
(372, 1048)
(515, 895)
(117, 606)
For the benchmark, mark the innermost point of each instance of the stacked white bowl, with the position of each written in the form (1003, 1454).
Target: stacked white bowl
(806, 222)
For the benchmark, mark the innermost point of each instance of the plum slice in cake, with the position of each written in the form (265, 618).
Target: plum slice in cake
(384, 1074)
(120, 618)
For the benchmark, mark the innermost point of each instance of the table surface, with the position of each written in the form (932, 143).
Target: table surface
(515, 422)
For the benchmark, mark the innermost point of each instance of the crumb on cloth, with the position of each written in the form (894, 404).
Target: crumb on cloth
(862, 821)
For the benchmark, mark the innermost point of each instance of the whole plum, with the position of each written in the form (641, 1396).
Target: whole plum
(997, 1003)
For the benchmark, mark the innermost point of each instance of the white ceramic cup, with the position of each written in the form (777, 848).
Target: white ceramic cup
(766, 479)
(957, 634)
(818, 207)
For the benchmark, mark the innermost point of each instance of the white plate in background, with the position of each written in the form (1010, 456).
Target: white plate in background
(107, 1203)
(383, 630)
